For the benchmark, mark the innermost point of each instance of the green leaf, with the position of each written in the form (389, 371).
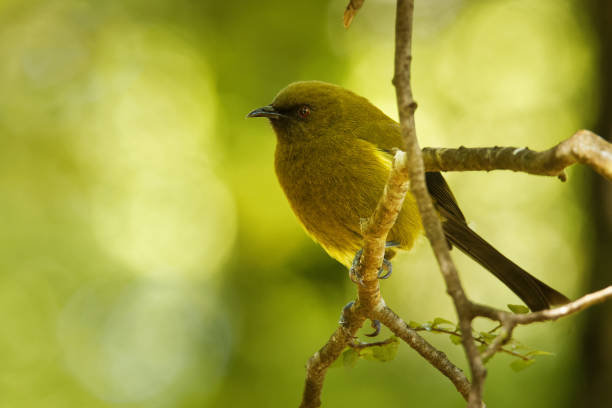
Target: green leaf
(482, 347)
(349, 358)
(518, 309)
(519, 365)
(439, 321)
(414, 325)
(384, 352)
(455, 339)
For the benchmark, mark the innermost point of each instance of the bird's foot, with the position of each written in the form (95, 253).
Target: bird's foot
(383, 273)
(376, 326)
(343, 321)
(391, 244)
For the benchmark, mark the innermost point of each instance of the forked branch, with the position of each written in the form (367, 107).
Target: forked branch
(584, 147)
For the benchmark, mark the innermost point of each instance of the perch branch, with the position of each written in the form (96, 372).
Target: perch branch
(317, 365)
(369, 304)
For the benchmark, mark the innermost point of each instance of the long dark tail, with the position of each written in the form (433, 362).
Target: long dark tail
(535, 293)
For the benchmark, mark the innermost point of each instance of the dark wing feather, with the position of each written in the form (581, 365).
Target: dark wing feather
(535, 293)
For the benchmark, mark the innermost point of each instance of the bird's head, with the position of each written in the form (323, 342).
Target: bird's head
(314, 109)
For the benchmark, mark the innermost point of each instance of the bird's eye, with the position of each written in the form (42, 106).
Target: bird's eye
(303, 111)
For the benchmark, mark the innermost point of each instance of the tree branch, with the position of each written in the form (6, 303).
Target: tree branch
(316, 368)
(350, 12)
(510, 320)
(583, 147)
(406, 173)
(431, 221)
(434, 356)
(369, 303)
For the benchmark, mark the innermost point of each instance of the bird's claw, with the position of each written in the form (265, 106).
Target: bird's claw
(343, 321)
(376, 326)
(383, 273)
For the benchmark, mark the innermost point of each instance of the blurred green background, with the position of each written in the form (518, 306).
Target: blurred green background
(148, 257)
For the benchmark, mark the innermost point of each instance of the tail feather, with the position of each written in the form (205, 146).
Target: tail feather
(535, 293)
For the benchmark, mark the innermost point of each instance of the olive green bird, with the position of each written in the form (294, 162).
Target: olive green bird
(333, 157)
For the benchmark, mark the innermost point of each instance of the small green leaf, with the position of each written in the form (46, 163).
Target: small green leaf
(455, 339)
(518, 309)
(540, 353)
(482, 347)
(414, 325)
(384, 352)
(349, 358)
(388, 351)
(519, 365)
(439, 321)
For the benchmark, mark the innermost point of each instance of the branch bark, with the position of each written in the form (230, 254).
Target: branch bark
(431, 221)
(583, 147)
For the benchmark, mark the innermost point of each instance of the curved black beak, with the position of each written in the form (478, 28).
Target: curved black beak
(266, 112)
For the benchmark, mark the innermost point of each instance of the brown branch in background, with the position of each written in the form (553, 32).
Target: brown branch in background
(352, 9)
(583, 147)
(431, 221)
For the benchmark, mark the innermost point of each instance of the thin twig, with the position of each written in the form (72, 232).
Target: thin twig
(351, 10)
(431, 221)
(361, 345)
(476, 339)
(510, 320)
(435, 357)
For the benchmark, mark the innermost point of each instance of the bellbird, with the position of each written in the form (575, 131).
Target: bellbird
(333, 156)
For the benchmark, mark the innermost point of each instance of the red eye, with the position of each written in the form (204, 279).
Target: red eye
(304, 111)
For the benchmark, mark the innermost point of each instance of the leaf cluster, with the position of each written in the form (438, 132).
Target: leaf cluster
(383, 351)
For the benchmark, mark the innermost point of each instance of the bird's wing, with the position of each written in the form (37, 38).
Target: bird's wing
(443, 197)
(383, 133)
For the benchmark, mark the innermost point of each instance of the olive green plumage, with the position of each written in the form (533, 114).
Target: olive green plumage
(332, 159)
